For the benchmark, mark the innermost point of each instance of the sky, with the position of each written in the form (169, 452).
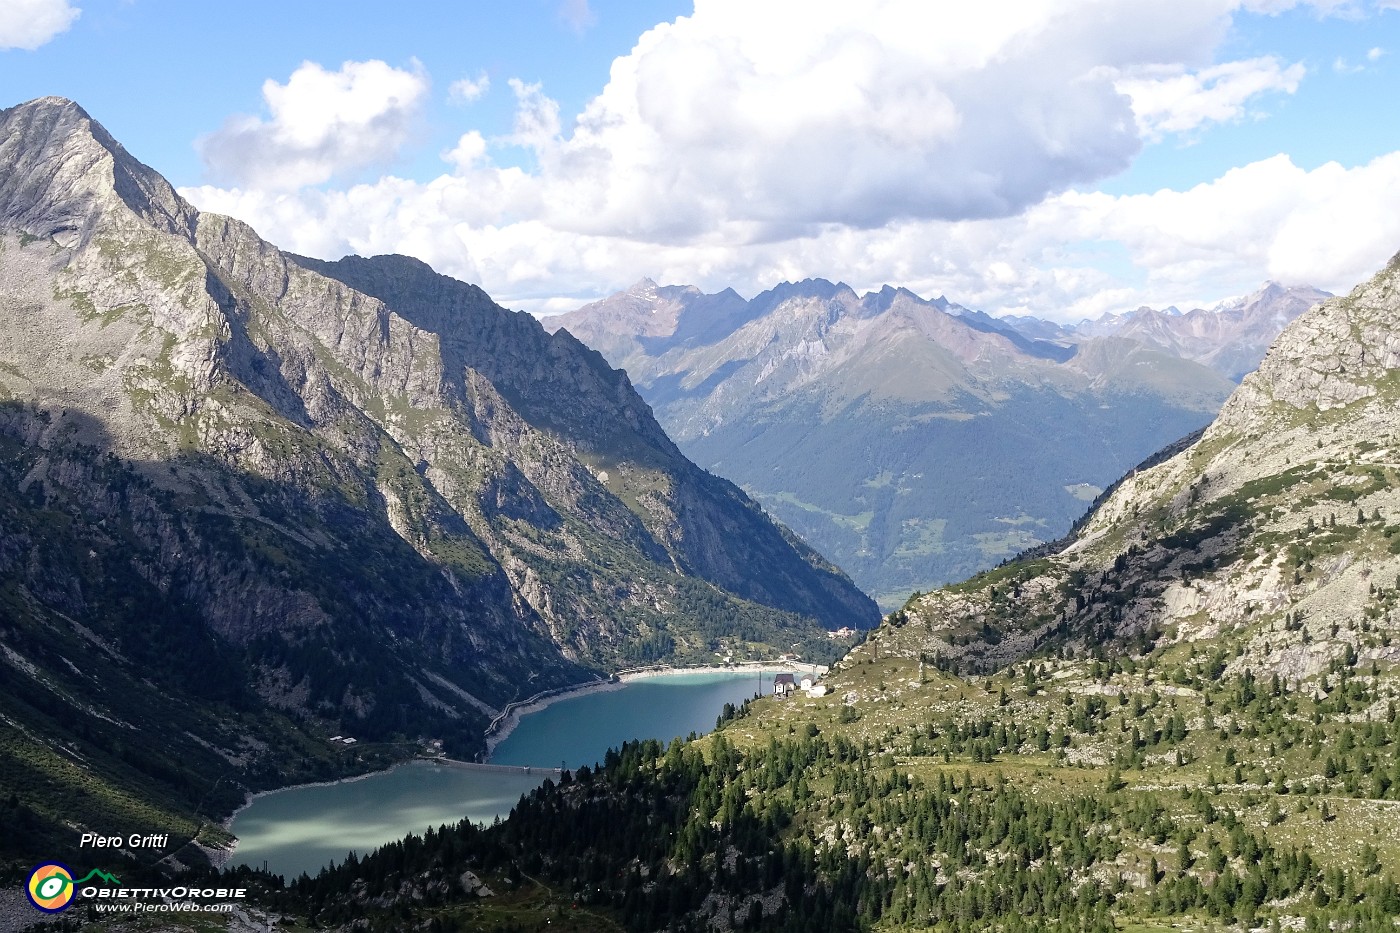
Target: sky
(1062, 159)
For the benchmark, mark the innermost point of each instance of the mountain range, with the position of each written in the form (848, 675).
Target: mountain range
(916, 442)
(1184, 715)
(1276, 526)
(1231, 337)
(251, 498)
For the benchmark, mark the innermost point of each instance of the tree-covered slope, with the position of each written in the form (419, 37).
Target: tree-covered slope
(1146, 791)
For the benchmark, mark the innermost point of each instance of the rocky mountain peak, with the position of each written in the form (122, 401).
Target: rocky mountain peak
(60, 170)
(820, 289)
(885, 298)
(1270, 289)
(1341, 352)
(487, 498)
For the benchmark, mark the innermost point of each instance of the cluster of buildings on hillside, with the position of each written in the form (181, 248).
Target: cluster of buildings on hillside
(788, 684)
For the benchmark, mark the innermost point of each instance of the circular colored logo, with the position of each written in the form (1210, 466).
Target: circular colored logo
(50, 887)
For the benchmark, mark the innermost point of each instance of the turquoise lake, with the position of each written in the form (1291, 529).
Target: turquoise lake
(302, 829)
(579, 731)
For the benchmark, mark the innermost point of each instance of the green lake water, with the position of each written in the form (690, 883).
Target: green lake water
(302, 829)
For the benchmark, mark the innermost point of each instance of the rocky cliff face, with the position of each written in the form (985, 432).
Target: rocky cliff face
(689, 519)
(1276, 531)
(361, 491)
(912, 441)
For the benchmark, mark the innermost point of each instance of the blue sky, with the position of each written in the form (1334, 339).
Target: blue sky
(1338, 113)
(160, 73)
(1057, 158)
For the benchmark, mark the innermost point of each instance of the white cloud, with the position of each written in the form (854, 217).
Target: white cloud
(1342, 66)
(794, 114)
(468, 153)
(1173, 100)
(797, 113)
(28, 24)
(466, 90)
(1341, 9)
(536, 118)
(1270, 219)
(936, 146)
(1329, 227)
(323, 124)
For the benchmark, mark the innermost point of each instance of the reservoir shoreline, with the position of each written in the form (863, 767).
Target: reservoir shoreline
(504, 724)
(690, 683)
(220, 857)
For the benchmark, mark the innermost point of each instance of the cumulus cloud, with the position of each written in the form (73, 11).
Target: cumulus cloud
(800, 113)
(1331, 226)
(322, 124)
(1074, 255)
(536, 118)
(466, 90)
(468, 153)
(805, 112)
(1171, 99)
(939, 146)
(28, 24)
(1270, 219)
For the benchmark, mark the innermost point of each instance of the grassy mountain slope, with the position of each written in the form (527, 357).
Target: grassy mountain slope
(1151, 790)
